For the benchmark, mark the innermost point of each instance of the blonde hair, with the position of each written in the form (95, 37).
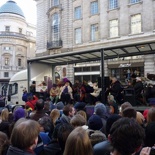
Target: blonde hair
(81, 141)
(82, 113)
(5, 114)
(55, 114)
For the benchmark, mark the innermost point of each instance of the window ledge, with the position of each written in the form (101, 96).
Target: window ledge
(94, 15)
(94, 41)
(118, 8)
(77, 19)
(109, 38)
(136, 34)
(140, 2)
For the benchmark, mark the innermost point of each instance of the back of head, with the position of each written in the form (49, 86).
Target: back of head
(81, 141)
(67, 108)
(129, 112)
(40, 104)
(63, 132)
(55, 114)
(126, 136)
(95, 122)
(125, 105)
(100, 109)
(113, 118)
(45, 123)
(140, 118)
(4, 143)
(5, 114)
(19, 113)
(24, 134)
(151, 115)
(78, 120)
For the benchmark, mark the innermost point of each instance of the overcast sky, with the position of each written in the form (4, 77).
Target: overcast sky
(28, 7)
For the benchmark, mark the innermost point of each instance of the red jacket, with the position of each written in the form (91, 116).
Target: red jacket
(32, 103)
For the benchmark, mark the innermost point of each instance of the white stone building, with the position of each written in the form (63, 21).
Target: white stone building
(17, 41)
(77, 25)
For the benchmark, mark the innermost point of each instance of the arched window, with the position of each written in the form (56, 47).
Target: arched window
(55, 28)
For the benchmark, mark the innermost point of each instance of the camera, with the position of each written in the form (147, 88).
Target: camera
(152, 152)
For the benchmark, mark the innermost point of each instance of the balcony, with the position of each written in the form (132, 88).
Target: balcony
(4, 33)
(12, 68)
(54, 44)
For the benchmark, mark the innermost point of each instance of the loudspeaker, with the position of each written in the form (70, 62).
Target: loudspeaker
(106, 82)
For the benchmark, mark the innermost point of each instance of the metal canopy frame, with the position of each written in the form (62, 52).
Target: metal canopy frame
(95, 55)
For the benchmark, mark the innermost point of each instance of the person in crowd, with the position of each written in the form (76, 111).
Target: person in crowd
(85, 91)
(123, 106)
(115, 90)
(129, 112)
(57, 145)
(4, 143)
(101, 110)
(25, 95)
(126, 136)
(54, 115)
(24, 138)
(95, 122)
(4, 125)
(140, 118)
(18, 113)
(78, 120)
(68, 113)
(113, 105)
(47, 108)
(104, 147)
(31, 102)
(79, 106)
(81, 141)
(138, 87)
(66, 93)
(76, 91)
(54, 93)
(82, 113)
(150, 135)
(39, 110)
(151, 115)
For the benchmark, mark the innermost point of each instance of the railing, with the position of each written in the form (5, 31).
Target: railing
(4, 33)
(54, 44)
(12, 67)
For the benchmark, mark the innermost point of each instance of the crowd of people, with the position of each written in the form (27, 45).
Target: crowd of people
(62, 125)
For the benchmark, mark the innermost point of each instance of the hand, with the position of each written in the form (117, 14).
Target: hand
(145, 151)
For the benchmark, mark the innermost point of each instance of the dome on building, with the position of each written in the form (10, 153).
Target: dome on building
(11, 7)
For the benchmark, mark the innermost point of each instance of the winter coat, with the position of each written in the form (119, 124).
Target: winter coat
(16, 151)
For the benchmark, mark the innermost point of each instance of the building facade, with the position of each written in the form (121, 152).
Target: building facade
(78, 25)
(17, 41)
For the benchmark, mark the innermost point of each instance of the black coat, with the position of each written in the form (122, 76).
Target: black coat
(15, 151)
(52, 148)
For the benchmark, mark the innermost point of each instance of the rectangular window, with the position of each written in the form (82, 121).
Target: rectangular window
(94, 8)
(136, 26)
(7, 48)
(55, 2)
(113, 28)
(78, 36)
(20, 30)
(6, 74)
(134, 1)
(94, 32)
(77, 12)
(7, 28)
(113, 4)
(6, 61)
(19, 62)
